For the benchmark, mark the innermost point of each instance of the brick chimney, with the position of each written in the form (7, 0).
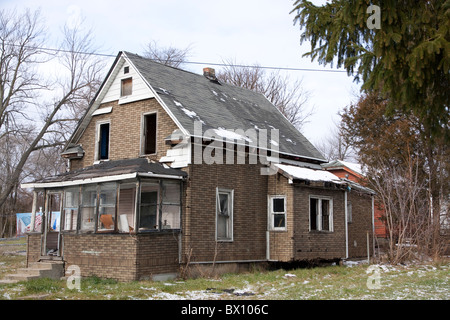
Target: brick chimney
(210, 73)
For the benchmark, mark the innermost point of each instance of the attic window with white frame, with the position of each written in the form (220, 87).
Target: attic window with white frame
(224, 215)
(126, 87)
(320, 213)
(277, 212)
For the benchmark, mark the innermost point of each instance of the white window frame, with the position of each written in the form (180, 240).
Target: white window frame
(319, 213)
(230, 193)
(272, 214)
(97, 140)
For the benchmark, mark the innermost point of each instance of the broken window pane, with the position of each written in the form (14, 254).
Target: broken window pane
(325, 214)
(224, 214)
(313, 208)
(149, 134)
(88, 204)
(149, 207)
(103, 141)
(107, 206)
(126, 207)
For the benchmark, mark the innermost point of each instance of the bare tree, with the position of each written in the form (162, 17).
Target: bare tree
(288, 96)
(405, 198)
(334, 146)
(169, 56)
(36, 110)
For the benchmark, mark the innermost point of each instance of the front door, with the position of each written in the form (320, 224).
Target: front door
(51, 234)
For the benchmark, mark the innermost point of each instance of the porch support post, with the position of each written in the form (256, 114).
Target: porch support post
(33, 211)
(44, 224)
(137, 205)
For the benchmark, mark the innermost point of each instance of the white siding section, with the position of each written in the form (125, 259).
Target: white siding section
(140, 90)
(179, 156)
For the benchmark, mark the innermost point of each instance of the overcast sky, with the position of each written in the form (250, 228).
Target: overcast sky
(247, 31)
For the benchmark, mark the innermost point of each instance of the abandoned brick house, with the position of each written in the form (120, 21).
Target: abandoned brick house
(165, 176)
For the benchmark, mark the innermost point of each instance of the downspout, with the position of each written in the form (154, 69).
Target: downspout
(346, 223)
(373, 225)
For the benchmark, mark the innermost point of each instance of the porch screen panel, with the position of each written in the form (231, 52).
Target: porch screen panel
(71, 199)
(171, 205)
(107, 206)
(148, 219)
(126, 207)
(88, 204)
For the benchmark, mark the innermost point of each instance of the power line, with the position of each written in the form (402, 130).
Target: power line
(188, 62)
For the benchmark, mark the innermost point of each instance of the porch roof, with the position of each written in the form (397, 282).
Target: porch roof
(300, 173)
(109, 171)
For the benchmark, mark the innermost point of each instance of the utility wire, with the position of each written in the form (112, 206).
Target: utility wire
(188, 62)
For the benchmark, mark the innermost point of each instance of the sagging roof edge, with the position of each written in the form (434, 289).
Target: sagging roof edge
(42, 185)
(339, 181)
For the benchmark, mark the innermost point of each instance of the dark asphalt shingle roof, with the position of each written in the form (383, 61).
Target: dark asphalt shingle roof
(116, 167)
(191, 97)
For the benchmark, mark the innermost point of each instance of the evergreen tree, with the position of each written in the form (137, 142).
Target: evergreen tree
(398, 46)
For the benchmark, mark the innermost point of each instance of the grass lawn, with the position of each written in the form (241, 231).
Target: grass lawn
(358, 282)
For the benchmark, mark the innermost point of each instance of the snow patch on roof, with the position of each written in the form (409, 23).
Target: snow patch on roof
(230, 135)
(308, 174)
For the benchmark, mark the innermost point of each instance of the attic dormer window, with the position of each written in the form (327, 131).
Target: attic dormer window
(126, 87)
(126, 70)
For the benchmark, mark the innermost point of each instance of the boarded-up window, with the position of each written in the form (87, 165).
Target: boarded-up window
(149, 134)
(126, 87)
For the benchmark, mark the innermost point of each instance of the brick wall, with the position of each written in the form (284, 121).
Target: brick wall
(122, 256)
(33, 247)
(281, 242)
(361, 225)
(249, 213)
(125, 131)
(318, 244)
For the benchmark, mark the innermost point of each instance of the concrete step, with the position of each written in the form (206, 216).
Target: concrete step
(52, 270)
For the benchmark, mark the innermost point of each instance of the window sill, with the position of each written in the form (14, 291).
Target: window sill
(320, 231)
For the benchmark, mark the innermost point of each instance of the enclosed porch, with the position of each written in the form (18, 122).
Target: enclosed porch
(118, 219)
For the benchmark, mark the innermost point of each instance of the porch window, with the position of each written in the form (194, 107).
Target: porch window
(224, 215)
(277, 212)
(170, 209)
(160, 205)
(126, 207)
(320, 214)
(149, 206)
(71, 199)
(107, 207)
(88, 206)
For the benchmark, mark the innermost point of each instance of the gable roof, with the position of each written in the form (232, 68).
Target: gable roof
(188, 97)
